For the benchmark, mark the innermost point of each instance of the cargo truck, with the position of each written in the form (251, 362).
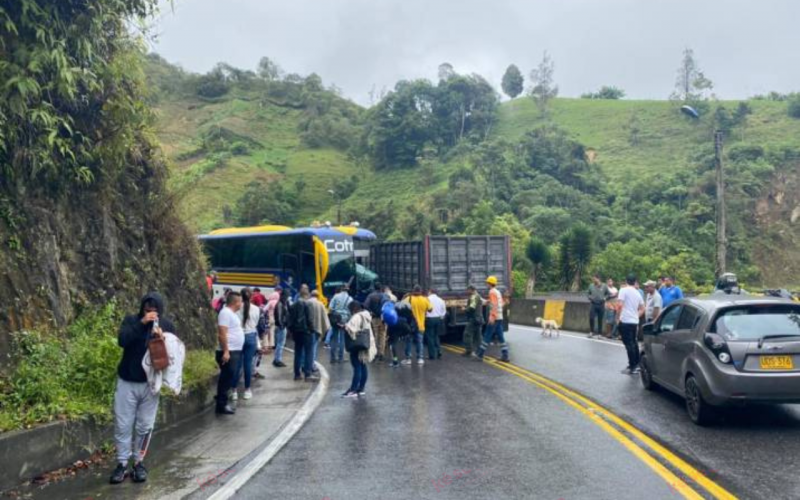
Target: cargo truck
(448, 264)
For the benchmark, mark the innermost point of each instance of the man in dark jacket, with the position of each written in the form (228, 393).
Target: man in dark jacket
(135, 406)
(301, 327)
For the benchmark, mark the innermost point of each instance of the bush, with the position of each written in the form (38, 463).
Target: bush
(794, 107)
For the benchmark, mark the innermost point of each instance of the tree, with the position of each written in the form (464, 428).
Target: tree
(605, 92)
(446, 71)
(539, 254)
(544, 90)
(794, 106)
(691, 84)
(269, 69)
(213, 84)
(575, 254)
(513, 82)
(262, 203)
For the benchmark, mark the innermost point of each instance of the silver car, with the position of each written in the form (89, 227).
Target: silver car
(723, 350)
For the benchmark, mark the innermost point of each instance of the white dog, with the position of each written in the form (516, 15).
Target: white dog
(549, 326)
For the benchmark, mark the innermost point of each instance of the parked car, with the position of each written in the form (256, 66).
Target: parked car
(722, 350)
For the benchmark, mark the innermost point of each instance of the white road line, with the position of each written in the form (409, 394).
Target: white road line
(572, 336)
(241, 478)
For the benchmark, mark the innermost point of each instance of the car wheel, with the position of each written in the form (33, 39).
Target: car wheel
(698, 409)
(646, 375)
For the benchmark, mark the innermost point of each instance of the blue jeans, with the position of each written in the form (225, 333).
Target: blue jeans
(246, 360)
(328, 336)
(359, 373)
(337, 344)
(491, 331)
(314, 346)
(280, 342)
(303, 353)
(417, 339)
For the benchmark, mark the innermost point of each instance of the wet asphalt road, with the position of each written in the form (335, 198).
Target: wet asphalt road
(457, 428)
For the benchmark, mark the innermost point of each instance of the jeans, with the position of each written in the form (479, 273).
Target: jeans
(597, 312)
(359, 373)
(417, 339)
(303, 353)
(246, 360)
(314, 346)
(280, 342)
(328, 336)
(135, 408)
(495, 330)
(628, 331)
(337, 344)
(227, 375)
(432, 327)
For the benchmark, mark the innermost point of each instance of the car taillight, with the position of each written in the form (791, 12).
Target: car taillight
(718, 346)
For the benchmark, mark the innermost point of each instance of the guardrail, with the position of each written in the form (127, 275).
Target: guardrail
(570, 311)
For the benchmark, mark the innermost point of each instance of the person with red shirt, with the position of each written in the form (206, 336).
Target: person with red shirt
(258, 298)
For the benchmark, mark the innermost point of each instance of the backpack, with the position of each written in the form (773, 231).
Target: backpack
(389, 313)
(263, 323)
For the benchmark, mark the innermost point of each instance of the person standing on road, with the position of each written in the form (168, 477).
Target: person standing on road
(472, 332)
(373, 303)
(670, 292)
(360, 320)
(280, 320)
(135, 405)
(319, 318)
(434, 322)
(420, 306)
(598, 294)
(632, 308)
(612, 309)
(302, 329)
(231, 342)
(653, 302)
(405, 327)
(340, 314)
(495, 325)
(272, 301)
(249, 315)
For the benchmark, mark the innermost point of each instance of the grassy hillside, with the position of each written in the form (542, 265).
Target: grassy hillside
(637, 145)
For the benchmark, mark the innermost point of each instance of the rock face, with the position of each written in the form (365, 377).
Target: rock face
(62, 256)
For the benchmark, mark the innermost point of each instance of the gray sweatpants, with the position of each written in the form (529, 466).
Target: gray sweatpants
(135, 407)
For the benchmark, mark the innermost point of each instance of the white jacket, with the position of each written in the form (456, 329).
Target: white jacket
(172, 375)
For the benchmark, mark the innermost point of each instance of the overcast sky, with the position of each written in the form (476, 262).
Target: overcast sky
(744, 47)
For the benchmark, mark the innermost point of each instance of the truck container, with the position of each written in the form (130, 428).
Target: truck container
(448, 264)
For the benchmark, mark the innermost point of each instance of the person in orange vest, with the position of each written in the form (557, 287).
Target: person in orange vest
(494, 327)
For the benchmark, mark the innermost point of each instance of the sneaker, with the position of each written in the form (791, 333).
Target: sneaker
(279, 364)
(248, 394)
(350, 394)
(467, 354)
(139, 473)
(395, 364)
(591, 336)
(406, 361)
(119, 473)
(258, 376)
(439, 356)
(326, 346)
(420, 361)
(298, 377)
(235, 396)
(635, 371)
(626, 371)
(505, 359)
(225, 410)
(380, 357)
(361, 394)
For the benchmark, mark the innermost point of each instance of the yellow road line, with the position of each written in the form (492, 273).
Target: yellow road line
(592, 410)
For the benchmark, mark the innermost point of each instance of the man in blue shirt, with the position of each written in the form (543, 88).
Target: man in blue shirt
(670, 292)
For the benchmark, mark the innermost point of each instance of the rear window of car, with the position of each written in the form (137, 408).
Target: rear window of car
(756, 321)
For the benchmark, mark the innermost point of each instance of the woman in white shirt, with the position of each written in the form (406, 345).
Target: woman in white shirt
(360, 321)
(249, 315)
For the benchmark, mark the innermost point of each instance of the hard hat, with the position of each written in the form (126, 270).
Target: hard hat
(492, 280)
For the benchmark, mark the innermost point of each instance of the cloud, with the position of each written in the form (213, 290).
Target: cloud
(745, 48)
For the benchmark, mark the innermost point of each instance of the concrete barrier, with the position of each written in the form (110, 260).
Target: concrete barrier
(25, 454)
(571, 312)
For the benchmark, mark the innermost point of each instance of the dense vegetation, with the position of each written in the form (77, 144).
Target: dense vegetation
(604, 184)
(86, 221)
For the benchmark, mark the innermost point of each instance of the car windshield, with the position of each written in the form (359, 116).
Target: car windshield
(754, 322)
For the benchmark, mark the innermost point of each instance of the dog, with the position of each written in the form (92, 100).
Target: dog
(549, 327)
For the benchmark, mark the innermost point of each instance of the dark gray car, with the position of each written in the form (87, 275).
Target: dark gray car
(722, 350)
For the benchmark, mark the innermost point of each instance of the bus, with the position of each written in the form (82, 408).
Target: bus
(323, 258)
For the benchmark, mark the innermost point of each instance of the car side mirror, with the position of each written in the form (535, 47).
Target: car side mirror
(649, 329)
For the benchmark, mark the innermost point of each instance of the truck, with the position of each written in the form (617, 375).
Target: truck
(447, 264)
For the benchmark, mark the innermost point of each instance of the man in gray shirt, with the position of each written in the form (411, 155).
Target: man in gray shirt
(598, 293)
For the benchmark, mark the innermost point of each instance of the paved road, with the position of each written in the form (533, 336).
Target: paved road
(456, 428)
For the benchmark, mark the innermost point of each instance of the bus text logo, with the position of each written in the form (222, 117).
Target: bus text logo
(339, 246)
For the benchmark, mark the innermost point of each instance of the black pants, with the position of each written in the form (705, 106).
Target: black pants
(227, 376)
(597, 312)
(628, 331)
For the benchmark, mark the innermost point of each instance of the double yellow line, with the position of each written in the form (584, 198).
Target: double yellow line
(623, 432)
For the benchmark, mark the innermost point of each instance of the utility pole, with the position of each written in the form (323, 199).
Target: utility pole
(722, 241)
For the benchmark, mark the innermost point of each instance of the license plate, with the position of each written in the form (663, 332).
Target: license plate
(776, 363)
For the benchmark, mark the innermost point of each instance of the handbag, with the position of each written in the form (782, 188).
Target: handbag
(359, 343)
(159, 357)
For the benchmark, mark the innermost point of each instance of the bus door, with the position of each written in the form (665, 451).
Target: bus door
(290, 267)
